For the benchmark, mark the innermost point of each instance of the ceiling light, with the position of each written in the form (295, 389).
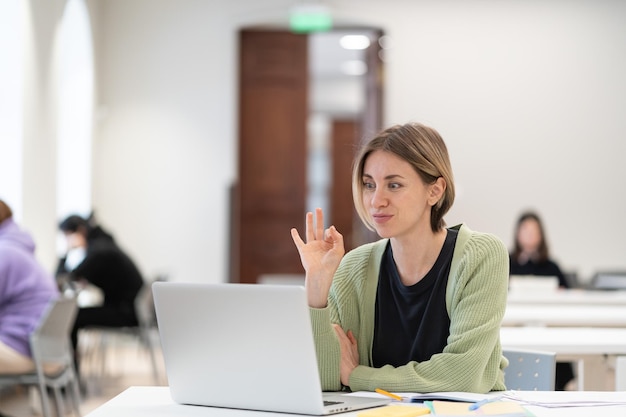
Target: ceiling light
(354, 41)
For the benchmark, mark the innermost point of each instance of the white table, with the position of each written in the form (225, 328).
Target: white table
(572, 343)
(566, 314)
(568, 296)
(156, 402)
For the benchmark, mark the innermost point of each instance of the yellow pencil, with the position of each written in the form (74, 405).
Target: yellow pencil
(388, 394)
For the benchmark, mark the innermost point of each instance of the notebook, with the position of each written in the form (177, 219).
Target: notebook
(244, 346)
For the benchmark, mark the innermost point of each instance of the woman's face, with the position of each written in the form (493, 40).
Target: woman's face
(529, 235)
(396, 197)
(75, 240)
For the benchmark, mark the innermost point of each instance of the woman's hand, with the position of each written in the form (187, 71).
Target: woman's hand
(320, 257)
(349, 353)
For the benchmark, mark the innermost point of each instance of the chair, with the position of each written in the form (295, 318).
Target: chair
(146, 317)
(530, 370)
(53, 357)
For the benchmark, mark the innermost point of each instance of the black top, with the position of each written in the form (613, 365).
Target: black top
(412, 323)
(545, 268)
(107, 267)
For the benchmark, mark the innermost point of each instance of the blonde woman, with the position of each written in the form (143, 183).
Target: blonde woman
(420, 309)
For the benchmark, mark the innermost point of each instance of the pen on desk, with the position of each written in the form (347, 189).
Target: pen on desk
(388, 394)
(478, 404)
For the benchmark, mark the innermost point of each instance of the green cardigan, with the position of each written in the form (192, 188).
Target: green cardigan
(476, 295)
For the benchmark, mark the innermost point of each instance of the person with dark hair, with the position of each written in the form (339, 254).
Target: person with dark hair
(101, 262)
(531, 256)
(26, 289)
(420, 309)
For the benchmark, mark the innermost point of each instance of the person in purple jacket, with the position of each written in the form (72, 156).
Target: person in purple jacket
(26, 288)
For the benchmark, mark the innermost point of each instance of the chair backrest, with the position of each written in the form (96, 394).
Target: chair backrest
(144, 303)
(615, 280)
(530, 370)
(50, 341)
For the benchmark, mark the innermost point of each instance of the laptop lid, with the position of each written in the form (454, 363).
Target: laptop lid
(242, 346)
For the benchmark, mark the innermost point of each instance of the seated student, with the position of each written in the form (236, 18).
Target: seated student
(531, 256)
(419, 310)
(107, 267)
(26, 289)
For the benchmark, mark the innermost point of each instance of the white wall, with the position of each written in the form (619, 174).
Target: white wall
(529, 95)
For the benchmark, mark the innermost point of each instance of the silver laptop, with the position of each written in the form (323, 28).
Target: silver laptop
(244, 346)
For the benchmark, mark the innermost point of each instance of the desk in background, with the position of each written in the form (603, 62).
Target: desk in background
(568, 296)
(157, 402)
(573, 343)
(585, 315)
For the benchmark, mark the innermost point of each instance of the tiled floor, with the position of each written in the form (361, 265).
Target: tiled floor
(127, 364)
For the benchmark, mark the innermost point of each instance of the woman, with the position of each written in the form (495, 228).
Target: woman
(105, 265)
(26, 289)
(531, 255)
(420, 309)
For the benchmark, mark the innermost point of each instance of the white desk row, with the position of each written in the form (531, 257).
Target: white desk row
(156, 402)
(585, 315)
(573, 343)
(568, 296)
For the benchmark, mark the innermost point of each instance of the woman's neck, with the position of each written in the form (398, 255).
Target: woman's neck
(415, 257)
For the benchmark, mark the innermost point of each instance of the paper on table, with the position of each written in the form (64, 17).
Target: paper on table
(496, 408)
(420, 397)
(566, 398)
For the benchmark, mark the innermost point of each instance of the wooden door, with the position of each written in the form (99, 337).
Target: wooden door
(270, 195)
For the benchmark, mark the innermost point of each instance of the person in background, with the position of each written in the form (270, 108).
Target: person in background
(420, 309)
(94, 256)
(531, 256)
(26, 289)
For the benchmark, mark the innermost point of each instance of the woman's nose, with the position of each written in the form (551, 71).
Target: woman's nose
(378, 198)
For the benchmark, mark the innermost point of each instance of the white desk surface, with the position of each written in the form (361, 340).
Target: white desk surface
(566, 340)
(585, 315)
(156, 402)
(568, 296)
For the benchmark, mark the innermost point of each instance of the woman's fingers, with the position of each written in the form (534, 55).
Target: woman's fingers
(310, 232)
(319, 226)
(297, 240)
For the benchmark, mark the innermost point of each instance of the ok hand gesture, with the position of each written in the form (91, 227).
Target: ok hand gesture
(320, 257)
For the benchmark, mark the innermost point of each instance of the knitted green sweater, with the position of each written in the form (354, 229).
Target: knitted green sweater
(476, 294)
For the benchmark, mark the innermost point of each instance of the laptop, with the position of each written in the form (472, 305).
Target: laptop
(533, 283)
(244, 346)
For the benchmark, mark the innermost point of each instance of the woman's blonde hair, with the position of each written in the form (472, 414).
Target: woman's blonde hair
(424, 149)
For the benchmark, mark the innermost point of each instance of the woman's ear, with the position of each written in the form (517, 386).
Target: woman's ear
(436, 191)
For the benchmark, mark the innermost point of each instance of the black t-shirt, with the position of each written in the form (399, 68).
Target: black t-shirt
(412, 323)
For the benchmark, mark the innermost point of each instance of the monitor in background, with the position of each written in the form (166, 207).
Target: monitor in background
(533, 283)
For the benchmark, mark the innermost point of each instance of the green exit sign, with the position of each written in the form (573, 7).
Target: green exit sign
(311, 18)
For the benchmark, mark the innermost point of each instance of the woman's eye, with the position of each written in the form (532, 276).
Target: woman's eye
(368, 185)
(394, 185)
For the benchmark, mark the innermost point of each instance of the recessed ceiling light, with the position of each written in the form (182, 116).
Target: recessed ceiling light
(354, 41)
